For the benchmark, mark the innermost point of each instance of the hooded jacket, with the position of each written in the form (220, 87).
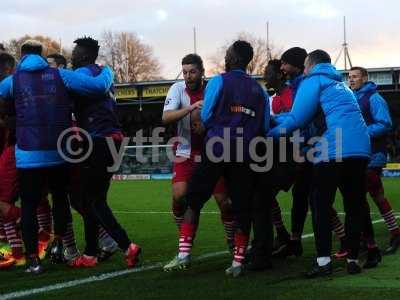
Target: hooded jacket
(345, 133)
(72, 81)
(381, 122)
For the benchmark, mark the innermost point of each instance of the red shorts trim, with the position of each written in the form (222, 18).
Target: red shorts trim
(183, 171)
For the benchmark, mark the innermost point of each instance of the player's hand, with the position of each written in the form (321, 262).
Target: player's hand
(198, 128)
(196, 105)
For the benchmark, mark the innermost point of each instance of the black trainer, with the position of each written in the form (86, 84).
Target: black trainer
(353, 268)
(104, 254)
(56, 251)
(393, 245)
(34, 266)
(318, 271)
(374, 257)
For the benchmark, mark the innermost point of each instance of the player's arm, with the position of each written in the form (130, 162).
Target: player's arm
(172, 116)
(211, 96)
(5, 96)
(380, 114)
(6, 88)
(304, 108)
(86, 84)
(173, 110)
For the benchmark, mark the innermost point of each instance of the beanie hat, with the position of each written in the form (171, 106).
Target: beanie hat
(295, 56)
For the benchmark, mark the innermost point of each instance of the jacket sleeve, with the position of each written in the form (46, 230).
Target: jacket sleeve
(211, 96)
(304, 108)
(6, 88)
(380, 114)
(88, 85)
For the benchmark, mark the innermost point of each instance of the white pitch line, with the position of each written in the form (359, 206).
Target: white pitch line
(68, 284)
(105, 276)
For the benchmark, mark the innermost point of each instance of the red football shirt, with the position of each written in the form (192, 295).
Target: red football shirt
(283, 101)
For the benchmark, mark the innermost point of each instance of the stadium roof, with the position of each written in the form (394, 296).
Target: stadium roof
(387, 78)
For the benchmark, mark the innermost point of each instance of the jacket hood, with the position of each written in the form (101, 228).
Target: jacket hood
(31, 63)
(369, 86)
(327, 70)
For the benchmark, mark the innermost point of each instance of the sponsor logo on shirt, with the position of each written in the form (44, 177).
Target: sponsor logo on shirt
(242, 109)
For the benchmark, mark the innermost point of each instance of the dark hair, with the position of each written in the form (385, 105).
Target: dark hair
(363, 71)
(31, 47)
(2, 47)
(60, 59)
(90, 46)
(244, 52)
(275, 64)
(318, 57)
(295, 56)
(193, 59)
(6, 60)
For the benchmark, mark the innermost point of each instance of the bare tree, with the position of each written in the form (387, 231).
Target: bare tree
(131, 59)
(260, 59)
(50, 46)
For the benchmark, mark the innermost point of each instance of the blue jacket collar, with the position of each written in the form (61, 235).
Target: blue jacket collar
(32, 62)
(368, 87)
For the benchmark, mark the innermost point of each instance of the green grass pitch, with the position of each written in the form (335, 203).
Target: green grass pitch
(143, 209)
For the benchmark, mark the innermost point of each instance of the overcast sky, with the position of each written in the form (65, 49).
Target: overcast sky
(373, 26)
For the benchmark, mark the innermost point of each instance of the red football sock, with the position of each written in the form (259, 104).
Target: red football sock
(229, 226)
(44, 217)
(3, 237)
(69, 237)
(241, 241)
(178, 211)
(14, 239)
(186, 237)
(388, 215)
(337, 225)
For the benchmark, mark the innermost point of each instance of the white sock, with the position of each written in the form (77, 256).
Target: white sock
(182, 255)
(236, 264)
(323, 261)
(352, 260)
